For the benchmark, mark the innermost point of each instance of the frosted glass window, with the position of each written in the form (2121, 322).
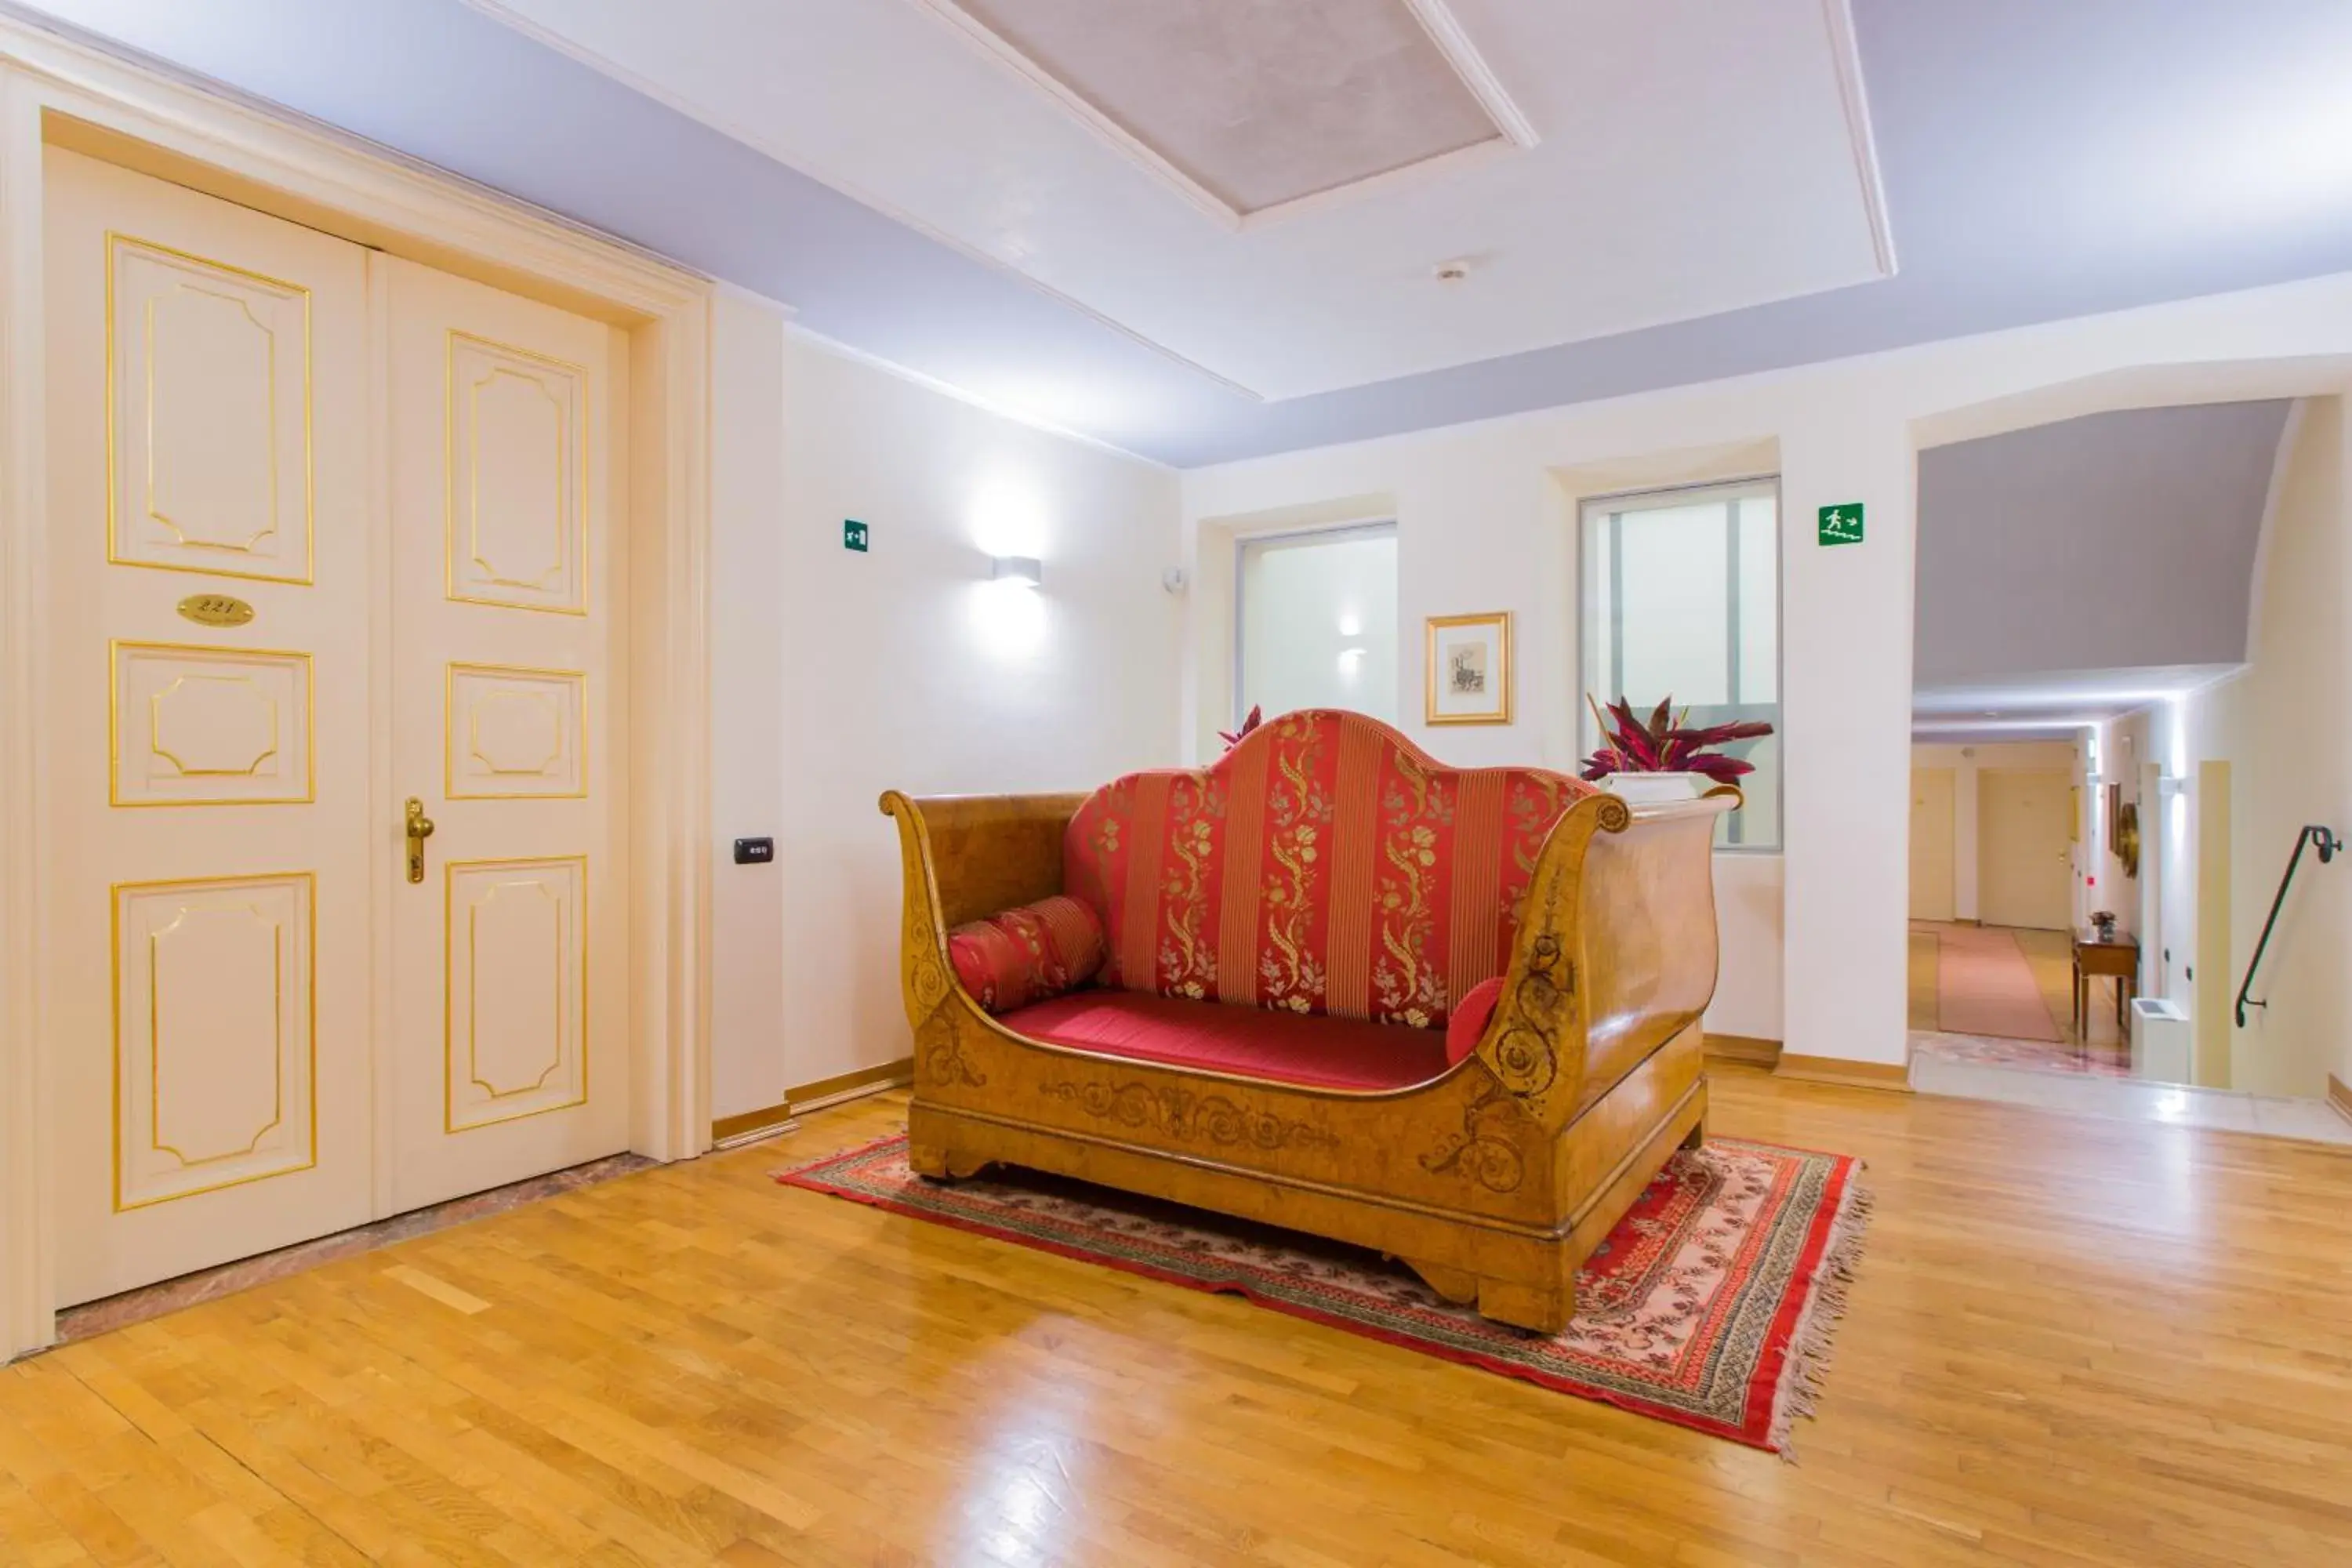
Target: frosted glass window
(1682, 599)
(1319, 622)
(1669, 589)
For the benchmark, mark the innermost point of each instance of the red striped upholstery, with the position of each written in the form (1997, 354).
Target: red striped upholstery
(1324, 864)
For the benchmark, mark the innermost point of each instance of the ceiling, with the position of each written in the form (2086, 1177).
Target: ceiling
(1244, 109)
(1691, 158)
(2080, 570)
(1677, 191)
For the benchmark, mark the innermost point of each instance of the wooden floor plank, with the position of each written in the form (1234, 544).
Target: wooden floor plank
(2071, 1343)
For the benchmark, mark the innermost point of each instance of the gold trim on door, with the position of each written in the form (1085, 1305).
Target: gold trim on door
(571, 728)
(114, 548)
(117, 647)
(449, 877)
(577, 433)
(308, 881)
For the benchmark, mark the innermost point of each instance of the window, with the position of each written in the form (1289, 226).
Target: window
(1318, 622)
(1682, 599)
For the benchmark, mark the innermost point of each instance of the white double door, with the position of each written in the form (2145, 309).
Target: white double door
(330, 531)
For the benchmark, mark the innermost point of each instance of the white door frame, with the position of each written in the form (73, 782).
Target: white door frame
(58, 90)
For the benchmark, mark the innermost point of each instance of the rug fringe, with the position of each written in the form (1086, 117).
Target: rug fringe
(1806, 1375)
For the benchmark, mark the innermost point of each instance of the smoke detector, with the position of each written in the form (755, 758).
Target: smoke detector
(1453, 271)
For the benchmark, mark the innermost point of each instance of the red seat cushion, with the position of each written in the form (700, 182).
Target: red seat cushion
(1311, 1050)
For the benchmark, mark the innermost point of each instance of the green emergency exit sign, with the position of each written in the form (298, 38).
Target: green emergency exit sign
(1842, 524)
(853, 535)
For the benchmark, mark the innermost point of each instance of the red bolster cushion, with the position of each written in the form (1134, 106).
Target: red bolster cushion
(1028, 954)
(1469, 1019)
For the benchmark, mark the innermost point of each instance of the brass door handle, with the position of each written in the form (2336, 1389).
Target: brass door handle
(420, 828)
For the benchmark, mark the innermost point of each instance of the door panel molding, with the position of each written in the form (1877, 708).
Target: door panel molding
(191, 959)
(194, 724)
(511, 732)
(58, 91)
(514, 533)
(520, 913)
(208, 471)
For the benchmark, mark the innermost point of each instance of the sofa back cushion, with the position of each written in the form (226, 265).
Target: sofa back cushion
(1027, 955)
(1325, 864)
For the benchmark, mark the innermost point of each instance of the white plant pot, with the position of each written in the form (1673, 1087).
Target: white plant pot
(1656, 789)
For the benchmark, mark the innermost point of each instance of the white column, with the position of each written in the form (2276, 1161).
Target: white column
(1846, 701)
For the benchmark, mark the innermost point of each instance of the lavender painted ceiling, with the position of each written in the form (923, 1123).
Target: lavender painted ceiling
(2077, 569)
(2040, 159)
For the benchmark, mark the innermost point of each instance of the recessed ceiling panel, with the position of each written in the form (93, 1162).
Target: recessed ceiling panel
(1258, 104)
(1655, 162)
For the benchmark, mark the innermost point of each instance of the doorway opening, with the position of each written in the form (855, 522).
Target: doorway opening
(2088, 597)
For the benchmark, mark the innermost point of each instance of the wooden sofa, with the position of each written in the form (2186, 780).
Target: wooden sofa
(1290, 1024)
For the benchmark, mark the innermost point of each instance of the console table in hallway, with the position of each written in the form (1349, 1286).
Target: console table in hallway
(2097, 957)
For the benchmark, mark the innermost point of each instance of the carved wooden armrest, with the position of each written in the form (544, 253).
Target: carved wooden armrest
(1607, 942)
(965, 857)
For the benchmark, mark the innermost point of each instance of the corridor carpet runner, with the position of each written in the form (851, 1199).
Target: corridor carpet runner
(1710, 1306)
(1984, 987)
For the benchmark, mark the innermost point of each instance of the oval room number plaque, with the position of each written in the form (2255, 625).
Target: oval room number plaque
(215, 610)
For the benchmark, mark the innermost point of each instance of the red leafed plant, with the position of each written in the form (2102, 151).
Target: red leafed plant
(1666, 745)
(1231, 737)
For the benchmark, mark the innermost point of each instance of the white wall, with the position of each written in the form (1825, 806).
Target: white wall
(2282, 727)
(903, 668)
(1483, 524)
(747, 677)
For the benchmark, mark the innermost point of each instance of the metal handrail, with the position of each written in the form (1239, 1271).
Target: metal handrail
(2327, 843)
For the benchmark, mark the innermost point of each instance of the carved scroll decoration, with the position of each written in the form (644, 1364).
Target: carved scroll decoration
(1481, 1151)
(1527, 1056)
(1182, 1114)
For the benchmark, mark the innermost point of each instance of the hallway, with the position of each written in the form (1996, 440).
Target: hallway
(2002, 996)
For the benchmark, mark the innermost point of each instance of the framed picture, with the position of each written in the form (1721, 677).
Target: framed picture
(1468, 674)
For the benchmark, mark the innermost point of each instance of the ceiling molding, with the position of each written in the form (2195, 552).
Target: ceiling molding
(1110, 132)
(1846, 54)
(508, 17)
(1513, 131)
(1446, 30)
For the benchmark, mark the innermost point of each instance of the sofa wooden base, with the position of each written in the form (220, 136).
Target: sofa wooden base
(1515, 1273)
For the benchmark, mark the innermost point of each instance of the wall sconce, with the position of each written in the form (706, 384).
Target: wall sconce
(1024, 569)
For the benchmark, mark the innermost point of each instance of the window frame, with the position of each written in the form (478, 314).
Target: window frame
(1321, 533)
(1658, 498)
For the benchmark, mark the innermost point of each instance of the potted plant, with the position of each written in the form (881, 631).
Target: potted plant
(1664, 759)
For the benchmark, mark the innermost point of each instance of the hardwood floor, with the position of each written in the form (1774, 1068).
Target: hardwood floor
(2071, 1341)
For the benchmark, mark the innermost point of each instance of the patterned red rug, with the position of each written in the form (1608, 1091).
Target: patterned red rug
(1710, 1306)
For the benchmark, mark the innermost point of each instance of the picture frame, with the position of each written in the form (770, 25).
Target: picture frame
(1466, 669)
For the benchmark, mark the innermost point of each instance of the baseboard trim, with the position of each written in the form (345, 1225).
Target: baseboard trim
(1892, 1076)
(848, 1086)
(749, 1126)
(1745, 1048)
(2340, 1095)
(745, 1126)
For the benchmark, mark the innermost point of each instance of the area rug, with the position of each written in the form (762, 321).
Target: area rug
(1984, 987)
(2101, 1060)
(1710, 1306)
